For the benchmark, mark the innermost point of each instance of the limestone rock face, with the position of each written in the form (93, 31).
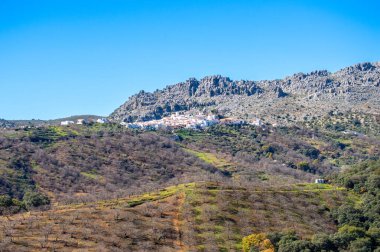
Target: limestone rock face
(314, 92)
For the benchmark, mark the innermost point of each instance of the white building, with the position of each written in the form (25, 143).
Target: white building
(81, 121)
(256, 122)
(102, 120)
(65, 123)
(320, 181)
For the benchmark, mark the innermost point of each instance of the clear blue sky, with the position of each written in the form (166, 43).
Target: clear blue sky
(67, 57)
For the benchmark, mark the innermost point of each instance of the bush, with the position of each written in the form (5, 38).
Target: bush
(342, 239)
(323, 242)
(361, 245)
(296, 246)
(267, 149)
(349, 215)
(303, 165)
(35, 199)
(5, 201)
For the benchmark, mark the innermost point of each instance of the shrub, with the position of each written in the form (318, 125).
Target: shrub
(303, 165)
(323, 242)
(295, 246)
(361, 245)
(267, 149)
(348, 215)
(35, 199)
(5, 201)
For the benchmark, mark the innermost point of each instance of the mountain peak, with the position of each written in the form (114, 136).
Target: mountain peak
(348, 88)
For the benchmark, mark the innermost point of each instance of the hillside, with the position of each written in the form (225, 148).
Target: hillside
(72, 164)
(82, 163)
(187, 190)
(297, 98)
(190, 217)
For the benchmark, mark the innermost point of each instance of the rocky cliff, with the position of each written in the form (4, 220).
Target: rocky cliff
(299, 95)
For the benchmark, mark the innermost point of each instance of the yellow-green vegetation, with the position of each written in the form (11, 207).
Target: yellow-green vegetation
(50, 134)
(317, 187)
(207, 157)
(132, 201)
(257, 242)
(91, 175)
(210, 158)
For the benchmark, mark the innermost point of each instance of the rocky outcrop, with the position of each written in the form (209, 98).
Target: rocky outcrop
(187, 95)
(350, 86)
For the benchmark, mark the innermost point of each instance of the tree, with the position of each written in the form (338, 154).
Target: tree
(361, 245)
(298, 245)
(323, 242)
(35, 199)
(257, 242)
(349, 215)
(346, 235)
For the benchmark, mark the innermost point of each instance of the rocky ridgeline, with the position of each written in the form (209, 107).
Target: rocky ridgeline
(319, 90)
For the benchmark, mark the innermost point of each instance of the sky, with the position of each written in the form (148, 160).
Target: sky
(70, 57)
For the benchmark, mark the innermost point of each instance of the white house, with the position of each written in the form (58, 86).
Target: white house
(256, 122)
(102, 120)
(65, 123)
(81, 121)
(320, 181)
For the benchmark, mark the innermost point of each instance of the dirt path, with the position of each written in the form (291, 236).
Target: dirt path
(177, 224)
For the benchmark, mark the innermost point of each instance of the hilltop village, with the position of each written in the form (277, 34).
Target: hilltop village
(189, 121)
(175, 121)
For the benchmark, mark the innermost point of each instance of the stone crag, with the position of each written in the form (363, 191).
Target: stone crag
(300, 95)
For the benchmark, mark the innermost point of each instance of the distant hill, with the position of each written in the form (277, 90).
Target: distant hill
(298, 98)
(37, 122)
(6, 124)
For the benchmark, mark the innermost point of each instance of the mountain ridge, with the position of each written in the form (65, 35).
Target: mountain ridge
(348, 88)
